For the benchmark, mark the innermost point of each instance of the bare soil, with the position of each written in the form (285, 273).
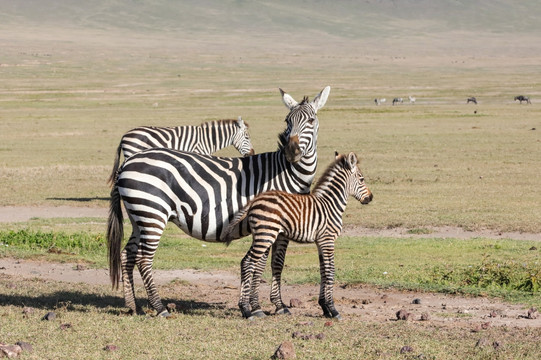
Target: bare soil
(363, 302)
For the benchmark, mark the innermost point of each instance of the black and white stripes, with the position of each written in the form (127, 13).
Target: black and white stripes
(202, 193)
(277, 217)
(206, 138)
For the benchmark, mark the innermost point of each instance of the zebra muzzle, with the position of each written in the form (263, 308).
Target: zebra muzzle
(367, 199)
(293, 150)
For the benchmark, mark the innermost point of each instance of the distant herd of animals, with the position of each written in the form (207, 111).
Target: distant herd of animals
(471, 99)
(169, 174)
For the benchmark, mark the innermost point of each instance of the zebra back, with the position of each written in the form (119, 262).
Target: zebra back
(206, 138)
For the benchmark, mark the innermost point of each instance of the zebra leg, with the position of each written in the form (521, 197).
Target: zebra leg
(247, 269)
(278, 257)
(326, 269)
(128, 258)
(147, 249)
(256, 282)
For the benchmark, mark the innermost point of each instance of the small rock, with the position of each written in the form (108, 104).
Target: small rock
(65, 326)
(26, 347)
(295, 303)
(366, 301)
(49, 316)
(328, 323)
(27, 311)
(425, 316)
(10, 351)
(286, 350)
(320, 336)
(171, 307)
(533, 248)
(406, 349)
(80, 267)
(416, 301)
(493, 314)
(402, 315)
(532, 313)
(110, 347)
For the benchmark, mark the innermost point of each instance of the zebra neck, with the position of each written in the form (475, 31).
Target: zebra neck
(211, 137)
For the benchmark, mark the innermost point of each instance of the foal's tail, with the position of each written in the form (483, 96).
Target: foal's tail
(227, 236)
(115, 234)
(114, 173)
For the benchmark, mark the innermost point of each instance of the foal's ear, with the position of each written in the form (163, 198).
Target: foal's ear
(336, 154)
(289, 102)
(352, 159)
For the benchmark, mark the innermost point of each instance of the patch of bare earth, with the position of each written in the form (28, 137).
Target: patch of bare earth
(362, 302)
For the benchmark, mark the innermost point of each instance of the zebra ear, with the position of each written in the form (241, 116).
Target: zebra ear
(352, 159)
(336, 154)
(321, 98)
(240, 122)
(289, 102)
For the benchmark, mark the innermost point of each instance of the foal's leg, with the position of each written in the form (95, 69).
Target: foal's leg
(256, 282)
(326, 268)
(260, 247)
(278, 257)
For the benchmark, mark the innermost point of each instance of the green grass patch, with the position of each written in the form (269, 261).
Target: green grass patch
(507, 269)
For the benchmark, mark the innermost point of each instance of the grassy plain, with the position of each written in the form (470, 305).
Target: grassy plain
(432, 163)
(69, 92)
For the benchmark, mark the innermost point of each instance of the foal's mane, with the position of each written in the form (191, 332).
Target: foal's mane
(330, 171)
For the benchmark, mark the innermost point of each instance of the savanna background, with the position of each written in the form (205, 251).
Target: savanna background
(76, 75)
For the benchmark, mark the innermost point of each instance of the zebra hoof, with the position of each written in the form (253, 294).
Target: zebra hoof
(258, 314)
(283, 311)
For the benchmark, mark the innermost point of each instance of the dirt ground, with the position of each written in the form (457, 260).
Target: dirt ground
(363, 302)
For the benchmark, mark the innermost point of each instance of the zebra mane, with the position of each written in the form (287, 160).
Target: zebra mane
(219, 122)
(283, 136)
(330, 171)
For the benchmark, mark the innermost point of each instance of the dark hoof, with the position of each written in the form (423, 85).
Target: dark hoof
(283, 311)
(258, 314)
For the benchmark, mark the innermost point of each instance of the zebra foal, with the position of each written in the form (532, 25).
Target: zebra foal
(276, 217)
(206, 138)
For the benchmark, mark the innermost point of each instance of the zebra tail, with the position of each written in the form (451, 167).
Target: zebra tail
(228, 234)
(115, 234)
(114, 173)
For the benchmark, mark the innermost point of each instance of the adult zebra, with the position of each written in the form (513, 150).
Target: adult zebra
(202, 193)
(206, 138)
(276, 217)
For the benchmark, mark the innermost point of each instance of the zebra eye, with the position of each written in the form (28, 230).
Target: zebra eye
(311, 120)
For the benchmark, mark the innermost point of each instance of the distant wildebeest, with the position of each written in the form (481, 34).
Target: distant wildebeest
(471, 99)
(398, 100)
(379, 101)
(412, 99)
(522, 98)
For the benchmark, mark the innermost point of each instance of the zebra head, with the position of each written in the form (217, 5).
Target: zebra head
(241, 139)
(300, 136)
(357, 186)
